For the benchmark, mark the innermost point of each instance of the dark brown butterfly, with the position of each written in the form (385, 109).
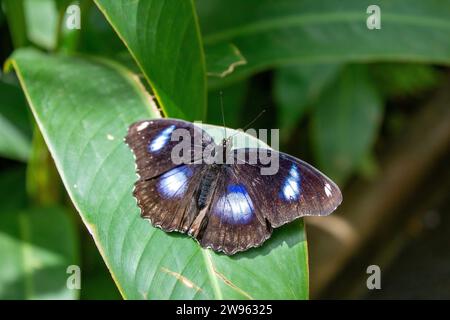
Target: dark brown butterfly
(225, 207)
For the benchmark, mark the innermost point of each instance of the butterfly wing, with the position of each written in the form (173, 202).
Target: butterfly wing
(151, 143)
(165, 191)
(242, 205)
(169, 200)
(248, 204)
(296, 189)
(233, 220)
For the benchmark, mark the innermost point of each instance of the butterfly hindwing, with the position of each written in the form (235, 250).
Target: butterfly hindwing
(169, 200)
(233, 222)
(247, 204)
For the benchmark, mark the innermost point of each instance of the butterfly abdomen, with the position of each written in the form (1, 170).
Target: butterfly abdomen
(206, 187)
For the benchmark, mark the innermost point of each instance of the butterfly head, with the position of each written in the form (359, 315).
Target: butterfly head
(227, 144)
(223, 150)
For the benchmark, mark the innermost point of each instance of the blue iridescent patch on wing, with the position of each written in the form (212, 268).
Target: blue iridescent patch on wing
(161, 139)
(235, 206)
(174, 183)
(291, 187)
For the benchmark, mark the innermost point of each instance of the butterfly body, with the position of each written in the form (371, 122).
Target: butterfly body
(225, 201)
(207, 184)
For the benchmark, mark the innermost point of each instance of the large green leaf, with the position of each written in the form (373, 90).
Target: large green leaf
(345, 122)
(15, 135)
(270, 33)
(164, 38)
(84, 122)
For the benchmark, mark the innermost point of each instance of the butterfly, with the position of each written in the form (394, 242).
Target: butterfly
(229, 206)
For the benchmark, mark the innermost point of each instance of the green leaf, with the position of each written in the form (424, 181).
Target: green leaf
(169, 54)
(37, 246)
(68, 39)
(43, 184)
(42, 22)
(271, 33)
(83, 123)
(345, 122)
(15, 135)
(296, 87)
(15, 15)
(222, 59)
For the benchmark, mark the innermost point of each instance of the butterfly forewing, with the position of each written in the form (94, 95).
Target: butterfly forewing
(151, 142)
(296, 189)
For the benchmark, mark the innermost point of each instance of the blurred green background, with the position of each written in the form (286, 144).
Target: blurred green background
(369, 108)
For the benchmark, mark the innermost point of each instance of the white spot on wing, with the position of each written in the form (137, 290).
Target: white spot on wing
(142, 126)
(327, 189)
(110, 137)
(291, 186)
(161, 140)
(236, 206)
(174, 182)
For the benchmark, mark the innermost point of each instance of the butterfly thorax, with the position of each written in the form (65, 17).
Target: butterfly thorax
(223, 151)
(208, 181)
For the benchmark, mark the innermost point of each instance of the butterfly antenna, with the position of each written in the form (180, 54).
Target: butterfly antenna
(223, 114)
(251, 122)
